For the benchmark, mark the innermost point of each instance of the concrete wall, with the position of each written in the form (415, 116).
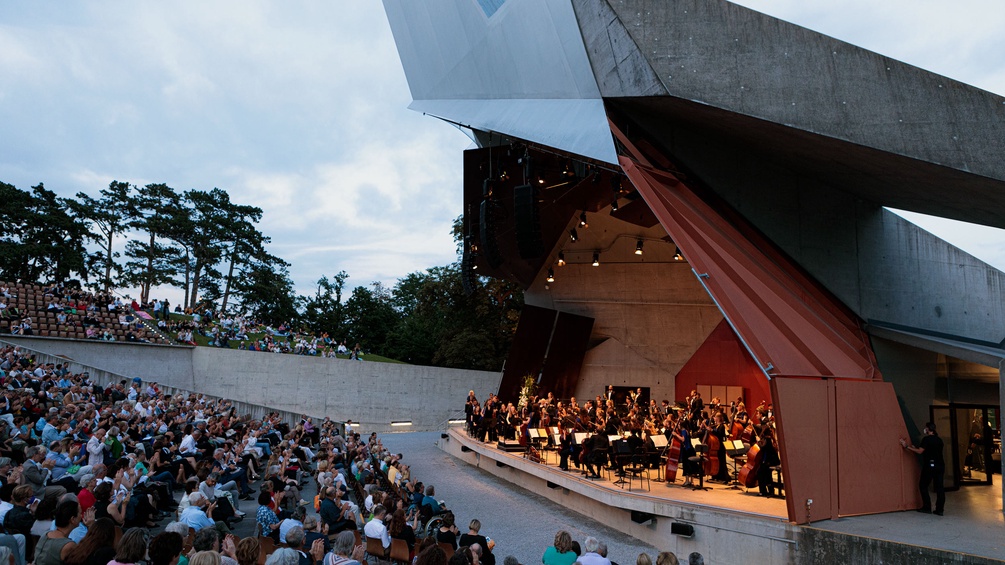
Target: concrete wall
(372, 394)
(881, 266)
(651, 313)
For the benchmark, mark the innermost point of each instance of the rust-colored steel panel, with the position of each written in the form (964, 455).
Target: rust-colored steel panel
(789, 325)
(804, 414)
(876, 474)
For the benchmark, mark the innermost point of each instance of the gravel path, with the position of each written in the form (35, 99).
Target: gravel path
(521, 523)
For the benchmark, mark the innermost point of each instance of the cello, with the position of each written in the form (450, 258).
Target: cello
(748, 474)
(736, 430)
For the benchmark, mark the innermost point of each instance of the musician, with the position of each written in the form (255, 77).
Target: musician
(596, 458)
(718, 428)
(695, 405)
(469, 408)
(610, 393)
(691, 468)
(565, 449)
(769, 459)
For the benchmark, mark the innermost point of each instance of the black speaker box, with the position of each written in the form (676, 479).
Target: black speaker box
(488, 213)
(641, 517)
(686, 530)
(527, 219)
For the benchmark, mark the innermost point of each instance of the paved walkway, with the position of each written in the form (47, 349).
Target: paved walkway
(521, 523)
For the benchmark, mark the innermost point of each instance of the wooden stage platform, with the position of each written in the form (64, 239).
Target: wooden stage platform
(729, 525)
(760, 523)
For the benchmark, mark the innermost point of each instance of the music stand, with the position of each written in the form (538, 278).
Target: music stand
(621, 449)
(736, 450)
(661, 445)
(701, 449)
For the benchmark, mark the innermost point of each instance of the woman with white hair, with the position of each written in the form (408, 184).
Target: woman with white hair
(284, 556)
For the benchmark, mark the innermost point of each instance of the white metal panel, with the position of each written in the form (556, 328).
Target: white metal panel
(576, 126)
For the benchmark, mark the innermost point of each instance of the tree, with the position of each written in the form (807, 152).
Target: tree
(325, 312)
(266, 291)
(371, 316)
(110, 216)
(155, 209)
(39, 238)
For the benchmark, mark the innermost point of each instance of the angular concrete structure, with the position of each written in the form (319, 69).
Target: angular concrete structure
(764, 154)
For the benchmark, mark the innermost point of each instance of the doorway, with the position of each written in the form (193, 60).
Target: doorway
(972, 447)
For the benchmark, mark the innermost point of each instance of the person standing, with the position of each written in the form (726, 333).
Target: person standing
(933, 466)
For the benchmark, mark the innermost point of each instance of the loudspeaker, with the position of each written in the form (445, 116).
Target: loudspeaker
(468, 279)
(553, 485)
(527, 219)
(685, 530)
(465, 449)
(488, 213)
(641, 517)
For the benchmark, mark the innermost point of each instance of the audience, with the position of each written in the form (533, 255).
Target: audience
(123, 450)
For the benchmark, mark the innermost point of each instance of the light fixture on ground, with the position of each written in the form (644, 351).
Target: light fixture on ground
(596, 258)
(551, 276)
(678, 256)
(573, 234)
(582, 220)
(561, 258)
(401, 424)
(638, 247)
(457, 421)
(614, 205)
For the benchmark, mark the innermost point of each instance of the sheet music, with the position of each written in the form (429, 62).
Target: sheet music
(659, 441)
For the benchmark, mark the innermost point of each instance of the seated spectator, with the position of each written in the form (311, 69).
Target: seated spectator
(97, 546)
(345, 551)
(315, 529)
(591, 553)
(376, 529)
(296, 520)
(53, 547)
(208, 539)
(666, 558)
(165, 548)
(473, 537)
(561, 552)
(448, 530)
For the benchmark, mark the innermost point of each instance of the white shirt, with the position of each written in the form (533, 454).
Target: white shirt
(376, 529)
(287, 525)
(95, 451)
(188, 445)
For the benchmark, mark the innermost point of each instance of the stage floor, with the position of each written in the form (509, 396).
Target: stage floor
(717, 495)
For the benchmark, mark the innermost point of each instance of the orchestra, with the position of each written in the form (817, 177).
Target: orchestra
(695, 435)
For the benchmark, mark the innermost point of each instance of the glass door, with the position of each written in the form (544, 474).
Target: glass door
(972, 443)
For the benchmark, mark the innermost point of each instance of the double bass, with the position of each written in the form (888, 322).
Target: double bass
(712, 460)
(748, 474)
(673, 455)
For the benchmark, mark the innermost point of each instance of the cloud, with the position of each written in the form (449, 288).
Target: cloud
(301, 109)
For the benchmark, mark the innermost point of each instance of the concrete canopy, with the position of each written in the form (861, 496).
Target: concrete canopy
(797, 139)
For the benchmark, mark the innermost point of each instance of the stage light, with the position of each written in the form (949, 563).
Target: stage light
(540, 179)
(638, 247)
(678, 256)
(551, 275)
(582, 220)
(614, 205)
(574, 235)
(561, 258)
(596, 258)
(401, 424)
(455, 422)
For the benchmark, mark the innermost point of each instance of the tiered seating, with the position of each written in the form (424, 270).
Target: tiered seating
(30, 300)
